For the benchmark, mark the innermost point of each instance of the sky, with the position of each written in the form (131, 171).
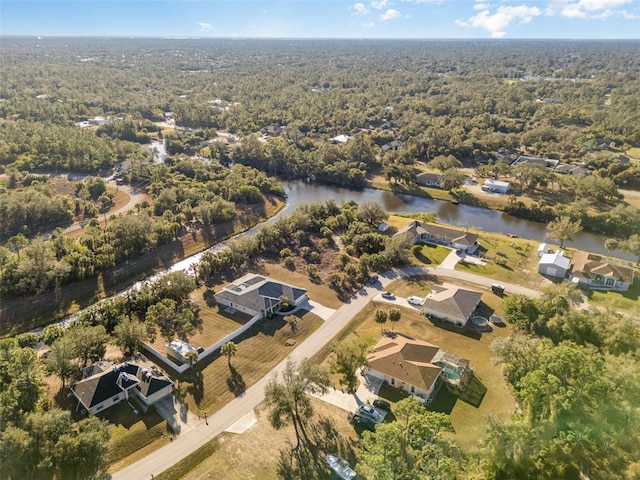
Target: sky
(535, 19)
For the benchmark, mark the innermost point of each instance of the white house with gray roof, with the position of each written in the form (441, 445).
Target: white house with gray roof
(451, 303)
(254, 294)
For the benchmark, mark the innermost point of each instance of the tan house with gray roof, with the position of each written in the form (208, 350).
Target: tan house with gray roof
(415, 366)
(430, 233)
(451, 303)
(254, 294)
(589, 269)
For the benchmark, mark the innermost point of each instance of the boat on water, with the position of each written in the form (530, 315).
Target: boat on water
(341, 467)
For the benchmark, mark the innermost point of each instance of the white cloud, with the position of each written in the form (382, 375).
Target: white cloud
(587, 8)
(497, 22)
(390, 15)
(204, 26)
(368, 25)
(380, 4)
(359, 8)
(481, 6)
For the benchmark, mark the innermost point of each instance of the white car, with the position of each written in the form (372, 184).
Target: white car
(415, 300)
(388, 295)
(369, 411)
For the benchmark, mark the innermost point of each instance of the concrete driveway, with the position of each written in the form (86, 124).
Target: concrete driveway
(176, 414)
(319, 309)
(366, 393)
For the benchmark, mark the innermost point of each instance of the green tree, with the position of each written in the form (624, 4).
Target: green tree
(191, 357)
(563, 228)
(228, 350)
(394, 316)
(171, 321)
(348, 355)
(410, 447)
(62, 359)
(443, 163)
(89, 343)
(381, 318)
(130, 335)
(631, 245)
(288, 400)
(452, 179)
(372, 213)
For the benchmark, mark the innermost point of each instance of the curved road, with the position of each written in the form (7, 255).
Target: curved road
(135, 197)
(163, 458)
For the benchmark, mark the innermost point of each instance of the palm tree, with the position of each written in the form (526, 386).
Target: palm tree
(191, 357)
(228, 349)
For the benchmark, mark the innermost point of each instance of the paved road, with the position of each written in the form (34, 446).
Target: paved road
(165, 457)
(135, 197)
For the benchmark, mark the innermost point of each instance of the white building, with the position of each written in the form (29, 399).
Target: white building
(554, 264)
(253, 294)
(495, 186)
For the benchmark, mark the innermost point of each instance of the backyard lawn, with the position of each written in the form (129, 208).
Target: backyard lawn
(510, 260)
(214, 383)
(488, 393)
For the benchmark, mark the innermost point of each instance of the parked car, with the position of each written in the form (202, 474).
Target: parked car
(373, 280)
(497, 289)
(415, 300)
(496, 319)
(366, 422)
(369, 411)
(388, 295)
(382, 404)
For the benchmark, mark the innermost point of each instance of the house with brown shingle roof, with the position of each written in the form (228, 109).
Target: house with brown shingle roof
(415, 366)
(451, 303)
(589, 269)
(430, 233)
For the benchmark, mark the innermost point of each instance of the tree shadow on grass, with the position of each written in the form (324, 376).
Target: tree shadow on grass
(235, 382)
(309, 463)
(195, 386)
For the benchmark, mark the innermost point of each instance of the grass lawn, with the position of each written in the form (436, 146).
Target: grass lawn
(216, 324)
(520, 257)
(633, 152)
(214, 384)
(430, 255)
(254, 455)
(620, 301)
(488, 393)
(133, 435)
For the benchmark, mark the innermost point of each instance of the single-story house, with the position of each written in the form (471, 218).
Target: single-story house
(577, 170)
(109, 384)
(428, 179)
(543, 162)
(254, 294)
(589, 269)
(341, 139)
(495, 186)
(394, 145)
(451, 303)
(429, 233)
(415, 366)
(272, 131)
(554, 264)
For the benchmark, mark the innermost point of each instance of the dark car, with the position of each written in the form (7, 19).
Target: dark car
(382, 404)
(366, 422)
(373, 280)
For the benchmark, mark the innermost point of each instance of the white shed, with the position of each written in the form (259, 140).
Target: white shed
(495, 186)
(542, 249)
(554, 264)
